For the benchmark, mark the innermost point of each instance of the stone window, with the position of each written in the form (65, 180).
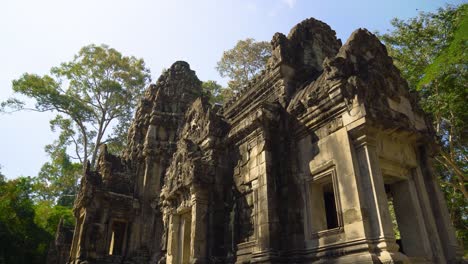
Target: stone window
(117, 238)
(323, 207)
(330, 205)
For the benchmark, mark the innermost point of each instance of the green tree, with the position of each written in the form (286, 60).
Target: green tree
(94, 97)
(57, 180)
(91, 94)
(215, 92)
(2, 177)
(21, 239)
(430, 50)
(47, 216)
(243, 62)
(27, 226)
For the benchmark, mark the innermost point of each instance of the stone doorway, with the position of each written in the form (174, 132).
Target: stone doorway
(117, 238)
(404, 211)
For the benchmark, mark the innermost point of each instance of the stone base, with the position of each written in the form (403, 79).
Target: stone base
(265, 257)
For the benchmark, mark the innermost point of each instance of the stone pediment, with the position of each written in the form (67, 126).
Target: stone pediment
(184, 169)
(202, 122)
(202, 132)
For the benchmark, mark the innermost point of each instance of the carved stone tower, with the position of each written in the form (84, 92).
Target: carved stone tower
(319, 159)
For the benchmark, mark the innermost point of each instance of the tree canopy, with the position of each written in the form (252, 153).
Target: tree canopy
(98, 87)
(93, 96)
(57, 180)
(22, 240)
(243, 62)
(216, 93)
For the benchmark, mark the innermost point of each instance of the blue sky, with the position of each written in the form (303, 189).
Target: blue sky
(37, 35)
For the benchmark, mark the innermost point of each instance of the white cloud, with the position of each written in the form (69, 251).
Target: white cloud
(279, 6)
(290, 3)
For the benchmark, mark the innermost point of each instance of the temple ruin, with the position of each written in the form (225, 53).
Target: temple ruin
(319, 159)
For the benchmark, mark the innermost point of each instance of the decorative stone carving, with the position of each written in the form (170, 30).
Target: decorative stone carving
(298, 168)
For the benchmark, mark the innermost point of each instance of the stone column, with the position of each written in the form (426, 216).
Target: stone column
(378, 223)
(83, 240)
(173, 230)
(199, 231)
(77, 234)
(436, 209)
(410, 220)
(266, 207)
(430, 224)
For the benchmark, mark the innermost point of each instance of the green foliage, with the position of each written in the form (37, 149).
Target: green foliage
(444, 86)
(48, 216)
(415, 42)
(454, 54)
(243, 62)
(57, 180)
(391, 208)
(22, 240)
(98, 87)
(94, 97)
(26, 227)
(216, 93)
(2, 177)
(430, 51)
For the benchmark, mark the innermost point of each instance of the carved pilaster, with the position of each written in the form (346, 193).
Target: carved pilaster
(378, 223)
(267, 220)
(199, 234)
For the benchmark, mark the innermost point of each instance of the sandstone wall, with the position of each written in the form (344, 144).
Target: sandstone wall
(306, 165)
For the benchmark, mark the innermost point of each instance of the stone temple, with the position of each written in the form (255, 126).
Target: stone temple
(319, 159)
